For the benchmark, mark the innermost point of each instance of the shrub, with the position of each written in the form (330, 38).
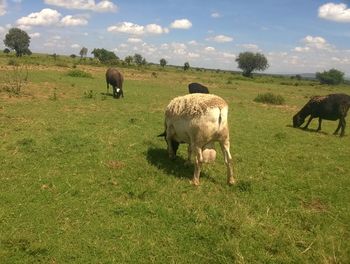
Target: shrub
(270, 98)
(79, 73)
(331, 77)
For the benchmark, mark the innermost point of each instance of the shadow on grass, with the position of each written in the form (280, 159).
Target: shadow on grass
(159, 158)
(308, 130)
(177, 167)
(107, 94)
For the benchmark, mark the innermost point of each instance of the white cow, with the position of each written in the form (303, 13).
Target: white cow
(199, 120)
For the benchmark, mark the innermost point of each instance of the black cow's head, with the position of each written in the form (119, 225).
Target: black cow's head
(298, 120)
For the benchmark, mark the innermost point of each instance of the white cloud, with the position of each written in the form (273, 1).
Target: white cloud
(193, 55)
(222, 38)
(251, 47)
(215, 15)
(193, 43)
(301, 49)
(49, 17)
(334, 12)
(228, 55)
(34, 35)
(102, 6)
(155, 29)
(3, 6)
(135, 29)
(45, 17)
(127, 27)
(134, 40)
(75, 46)
(209, 49)
(181, 24)
(316, 42)
(73, 21)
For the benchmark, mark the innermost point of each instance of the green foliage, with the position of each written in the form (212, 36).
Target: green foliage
(332, 77)
(163, 62)
(105, 56)
(270, 98)
(129, 60)
(249, 62)
(186, 66)
(18, 40)
(139, 60)
(79, 73)
(7, 51)
(83, 52)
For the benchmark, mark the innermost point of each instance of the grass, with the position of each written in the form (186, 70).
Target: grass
(88, 181)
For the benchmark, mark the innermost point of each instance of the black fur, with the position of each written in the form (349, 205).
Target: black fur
(330, 107)
(197, 88)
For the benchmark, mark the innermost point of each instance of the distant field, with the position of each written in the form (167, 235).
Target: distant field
(84, 179)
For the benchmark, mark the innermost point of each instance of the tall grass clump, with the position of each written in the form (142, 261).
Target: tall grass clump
(269, 98)
(79, 73)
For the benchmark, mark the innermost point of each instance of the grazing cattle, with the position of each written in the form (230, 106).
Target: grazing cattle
(115, 78)
(329, 107)
(199, 120)
(197, 88)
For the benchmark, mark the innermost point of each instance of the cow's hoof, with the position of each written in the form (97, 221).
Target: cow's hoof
(195, 182)
(231, 181)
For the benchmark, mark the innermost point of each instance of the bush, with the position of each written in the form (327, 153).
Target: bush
(79, 73)
(331, 77)
(270, 98)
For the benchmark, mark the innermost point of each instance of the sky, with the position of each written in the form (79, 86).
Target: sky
(296, 36)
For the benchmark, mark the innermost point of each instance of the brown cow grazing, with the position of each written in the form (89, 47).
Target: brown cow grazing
(329, 107)
(115, 78)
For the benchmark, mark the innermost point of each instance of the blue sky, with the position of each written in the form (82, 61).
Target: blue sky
(296, 36)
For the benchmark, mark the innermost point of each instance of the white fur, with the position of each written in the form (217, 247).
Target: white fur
(199, 120)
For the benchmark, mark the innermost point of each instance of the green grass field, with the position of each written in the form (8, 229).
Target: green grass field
(84, 178)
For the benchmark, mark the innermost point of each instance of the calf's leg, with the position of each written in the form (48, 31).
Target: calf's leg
(339, 126)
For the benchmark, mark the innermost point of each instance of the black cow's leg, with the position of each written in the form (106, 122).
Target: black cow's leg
(308, 122)
(339, 126)
(319, 123)
(343, 126)
(107, 87)
(114, 92)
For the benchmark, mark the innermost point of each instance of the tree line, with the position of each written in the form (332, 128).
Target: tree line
(249, 62)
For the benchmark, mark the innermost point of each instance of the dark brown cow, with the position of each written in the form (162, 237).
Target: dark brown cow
(329, 107)
(115, 78)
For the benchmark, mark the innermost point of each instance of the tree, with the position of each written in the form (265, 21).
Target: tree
(7, 51)
(138, 59)
(163, 62)
(105, 56)
(332, 77)
(83, 52)
(186, 66)
(18, 40)
(249, 62)
(129, 60)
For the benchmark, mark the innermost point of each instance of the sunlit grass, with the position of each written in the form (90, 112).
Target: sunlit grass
(84, 179)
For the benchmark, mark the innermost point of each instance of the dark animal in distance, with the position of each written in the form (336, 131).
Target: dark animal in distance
(197, 88)
(329, 107)
(115, 78)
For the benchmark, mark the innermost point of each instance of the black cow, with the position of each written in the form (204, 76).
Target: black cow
(329, 107)
(197, 88)
(115, 78)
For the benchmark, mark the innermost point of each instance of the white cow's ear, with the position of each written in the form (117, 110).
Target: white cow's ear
(118, 90)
